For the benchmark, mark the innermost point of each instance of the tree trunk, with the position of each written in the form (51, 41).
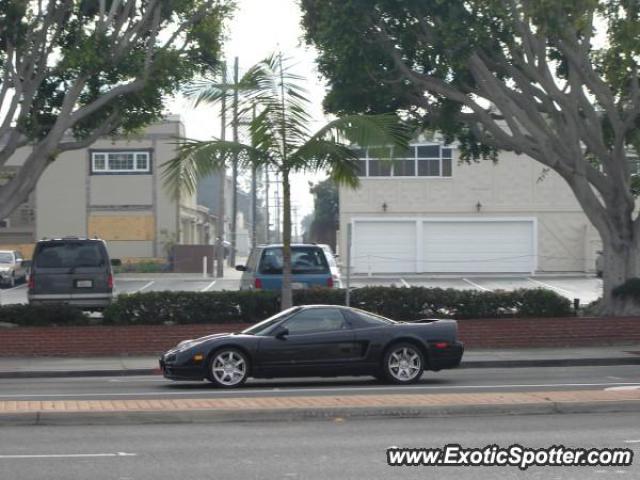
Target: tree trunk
(287, 295)
(621, 263)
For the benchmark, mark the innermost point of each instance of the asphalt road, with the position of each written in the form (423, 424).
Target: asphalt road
(586, 288)
(451, 381)
(321, 449)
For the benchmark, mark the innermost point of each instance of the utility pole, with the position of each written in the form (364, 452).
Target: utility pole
(222, 178)
(234, 169)
(254, 193)
(266, 204)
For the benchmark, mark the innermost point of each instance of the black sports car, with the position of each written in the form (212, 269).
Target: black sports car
(318, 340)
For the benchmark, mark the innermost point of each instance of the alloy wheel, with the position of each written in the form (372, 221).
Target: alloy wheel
(404, 364)
(229, 368)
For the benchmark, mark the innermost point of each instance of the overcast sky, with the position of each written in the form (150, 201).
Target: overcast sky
(258, 29)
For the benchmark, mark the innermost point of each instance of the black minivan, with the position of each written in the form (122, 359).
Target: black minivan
(71, 270)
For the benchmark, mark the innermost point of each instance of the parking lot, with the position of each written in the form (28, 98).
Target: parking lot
(586, 288)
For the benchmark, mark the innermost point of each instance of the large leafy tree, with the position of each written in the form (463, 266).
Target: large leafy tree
(282, 141)
(556, 80)
(325, 213)
(72, 71)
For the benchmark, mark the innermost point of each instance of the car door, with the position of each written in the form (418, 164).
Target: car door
(319, 341)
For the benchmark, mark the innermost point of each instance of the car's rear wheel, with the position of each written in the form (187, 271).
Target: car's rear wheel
(12, 281)
(228, 368)
(403, 363)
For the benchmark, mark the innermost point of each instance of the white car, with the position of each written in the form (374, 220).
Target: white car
(12, 268)
(333, 265)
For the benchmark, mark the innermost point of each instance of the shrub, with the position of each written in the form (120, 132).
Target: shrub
(398, 303)
(145, 266)
(41, 315)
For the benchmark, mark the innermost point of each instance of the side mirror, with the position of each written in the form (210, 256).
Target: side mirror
(241, 268)
(26, 263)
(281, 333)
(116, 262)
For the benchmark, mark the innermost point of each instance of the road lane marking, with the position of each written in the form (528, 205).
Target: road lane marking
(68, 455)
(405, 283)
(546, 285)
(625, 387)
(475, 285)
(632, 441)
(206, 289)
(147, 285)
(381, 389)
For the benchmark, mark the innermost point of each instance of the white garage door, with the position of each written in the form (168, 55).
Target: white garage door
(486, 246)
(384, 247)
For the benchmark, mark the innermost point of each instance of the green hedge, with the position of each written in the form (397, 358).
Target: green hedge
(41, 315)
(397, 303)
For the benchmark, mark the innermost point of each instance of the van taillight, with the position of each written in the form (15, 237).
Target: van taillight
(110, 281)
(32, 282)
(330, 282)
(257, 283)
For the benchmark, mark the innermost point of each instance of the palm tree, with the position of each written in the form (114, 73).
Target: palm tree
(282, 141)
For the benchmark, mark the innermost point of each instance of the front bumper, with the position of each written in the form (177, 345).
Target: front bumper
(173, 369)
(450, 357)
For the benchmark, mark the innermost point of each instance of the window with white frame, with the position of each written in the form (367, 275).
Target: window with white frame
(421, 160)
(105, 162)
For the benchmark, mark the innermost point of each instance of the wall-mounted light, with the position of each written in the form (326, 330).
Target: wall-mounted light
(478, 206)
(384, 206)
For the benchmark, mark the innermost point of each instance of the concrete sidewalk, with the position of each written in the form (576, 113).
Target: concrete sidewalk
(34, 367)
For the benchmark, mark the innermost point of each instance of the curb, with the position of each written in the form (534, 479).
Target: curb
(322, 414)
(560, 362)
(81, 373)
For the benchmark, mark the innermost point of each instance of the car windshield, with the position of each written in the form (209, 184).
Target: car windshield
(264, 326)
(303, 260)
(70, 254)
(6, 257)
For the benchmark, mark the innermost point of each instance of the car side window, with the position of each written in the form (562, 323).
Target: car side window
(317, 320)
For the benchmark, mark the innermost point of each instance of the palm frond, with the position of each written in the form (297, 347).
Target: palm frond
(196, 159)
(383, 130)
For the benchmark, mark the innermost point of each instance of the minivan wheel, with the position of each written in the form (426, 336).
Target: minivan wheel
(228, 368)
(403, 363)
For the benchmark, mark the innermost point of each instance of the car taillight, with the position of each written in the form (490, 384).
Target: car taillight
(330, 282)
(441, 345)
(32, 282)
(110, 281)
(257, 283)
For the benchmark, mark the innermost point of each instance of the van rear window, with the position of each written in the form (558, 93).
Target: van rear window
(71, 255)
(304, 260)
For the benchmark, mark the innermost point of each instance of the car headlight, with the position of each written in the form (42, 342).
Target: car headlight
(183, 345)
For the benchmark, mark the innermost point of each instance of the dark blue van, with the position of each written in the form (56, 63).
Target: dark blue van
(263, 271)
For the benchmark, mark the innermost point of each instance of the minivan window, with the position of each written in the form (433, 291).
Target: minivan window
(304, 260)
(6, 258)
(70, 255)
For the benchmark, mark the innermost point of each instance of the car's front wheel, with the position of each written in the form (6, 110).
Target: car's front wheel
(403, 363)
(228, 368)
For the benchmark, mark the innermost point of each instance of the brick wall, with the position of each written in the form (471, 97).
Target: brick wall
(152, 339)
(98, 340)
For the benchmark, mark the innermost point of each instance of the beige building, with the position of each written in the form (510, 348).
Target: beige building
(430, 213)
(114, 190)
